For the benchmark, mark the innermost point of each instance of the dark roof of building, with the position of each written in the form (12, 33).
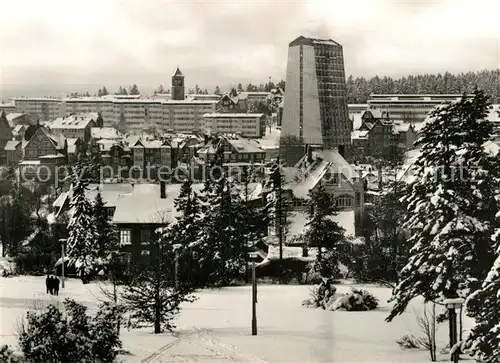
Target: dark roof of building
(178, 73)
(302, 40)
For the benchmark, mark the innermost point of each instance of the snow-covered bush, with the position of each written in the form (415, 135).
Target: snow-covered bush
(70, 336)
(321, 295)
(7, 355)
(355, 300)
(408, 341)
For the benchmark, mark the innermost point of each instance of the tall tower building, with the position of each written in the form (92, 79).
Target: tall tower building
(315, 106)
(178, 86)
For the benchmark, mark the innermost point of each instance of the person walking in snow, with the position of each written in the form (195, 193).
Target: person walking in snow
(56, 283)
(48, 284)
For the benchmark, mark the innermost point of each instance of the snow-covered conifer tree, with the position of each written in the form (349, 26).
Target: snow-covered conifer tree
(82, 249)
(322, 231)
(451, 205)
(108, 241)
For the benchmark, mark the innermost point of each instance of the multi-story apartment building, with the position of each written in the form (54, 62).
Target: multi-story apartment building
(203, 97)
(102, 105)
(315, 107)
(185, 116)
(8, 107)
(75, 126)
(246, 124)
(137, 115)
(409, 108)
(43, 109)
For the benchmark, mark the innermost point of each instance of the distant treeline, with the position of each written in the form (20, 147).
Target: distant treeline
(359, 89)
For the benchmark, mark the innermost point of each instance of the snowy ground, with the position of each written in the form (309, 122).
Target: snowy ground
(216, 328)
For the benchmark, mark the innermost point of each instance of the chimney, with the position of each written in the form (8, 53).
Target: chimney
(341, 150)
(163, 193)
(309, 154)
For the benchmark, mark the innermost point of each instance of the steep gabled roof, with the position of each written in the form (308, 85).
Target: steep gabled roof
(178, 73)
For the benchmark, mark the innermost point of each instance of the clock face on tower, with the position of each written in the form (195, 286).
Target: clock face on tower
(177, 82)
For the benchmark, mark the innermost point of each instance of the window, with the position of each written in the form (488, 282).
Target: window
(125, 237)
(145, 236)
(110, 212)
(344, 201)
(145, 253)
(125, 258)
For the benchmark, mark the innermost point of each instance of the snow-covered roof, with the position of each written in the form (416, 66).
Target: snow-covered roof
(144, 205)
(75, 121)
(12, 145)
(359, 134)
(109, 193)
(105, 133)
(346, 219)
(12, 116)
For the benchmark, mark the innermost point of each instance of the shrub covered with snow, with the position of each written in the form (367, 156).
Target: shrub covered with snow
(7, 355)
(71, 335)
(322, 295)
(355, 300)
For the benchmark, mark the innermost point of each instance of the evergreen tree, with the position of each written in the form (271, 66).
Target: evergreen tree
(239, 88)
(82, 233)
(160, 90)
(108, 239)
(153, 295)
(483, 341)
(185, 231)
(217, 90)
(222, 253)
(15, 221)
(133, 90)
(279, 210)
(322, 231)
(451, 205)
(233, 92)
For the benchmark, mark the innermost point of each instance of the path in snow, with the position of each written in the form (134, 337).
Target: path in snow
(199, 346)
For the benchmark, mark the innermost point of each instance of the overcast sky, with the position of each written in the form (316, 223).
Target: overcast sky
(114, 42)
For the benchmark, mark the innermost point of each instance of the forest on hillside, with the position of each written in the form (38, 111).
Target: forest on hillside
(359, 89)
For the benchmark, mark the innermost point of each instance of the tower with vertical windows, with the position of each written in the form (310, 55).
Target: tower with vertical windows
(178, 90)
(315, 106)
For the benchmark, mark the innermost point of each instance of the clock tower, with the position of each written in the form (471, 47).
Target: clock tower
(178, 86)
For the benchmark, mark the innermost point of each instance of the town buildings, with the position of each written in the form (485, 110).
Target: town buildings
(76, 125)
(315, 107)
(380, 137)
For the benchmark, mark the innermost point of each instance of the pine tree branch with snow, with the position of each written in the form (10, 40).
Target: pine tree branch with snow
(451, 205)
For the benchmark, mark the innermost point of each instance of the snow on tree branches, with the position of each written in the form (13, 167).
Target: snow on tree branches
(451, 205)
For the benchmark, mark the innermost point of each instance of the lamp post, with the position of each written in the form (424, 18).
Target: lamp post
(253, 255)
(63, 257)
(453, 305)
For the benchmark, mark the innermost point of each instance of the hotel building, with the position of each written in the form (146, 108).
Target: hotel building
(315, 107)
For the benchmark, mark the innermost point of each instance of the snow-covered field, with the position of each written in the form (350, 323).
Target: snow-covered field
(216, 328)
